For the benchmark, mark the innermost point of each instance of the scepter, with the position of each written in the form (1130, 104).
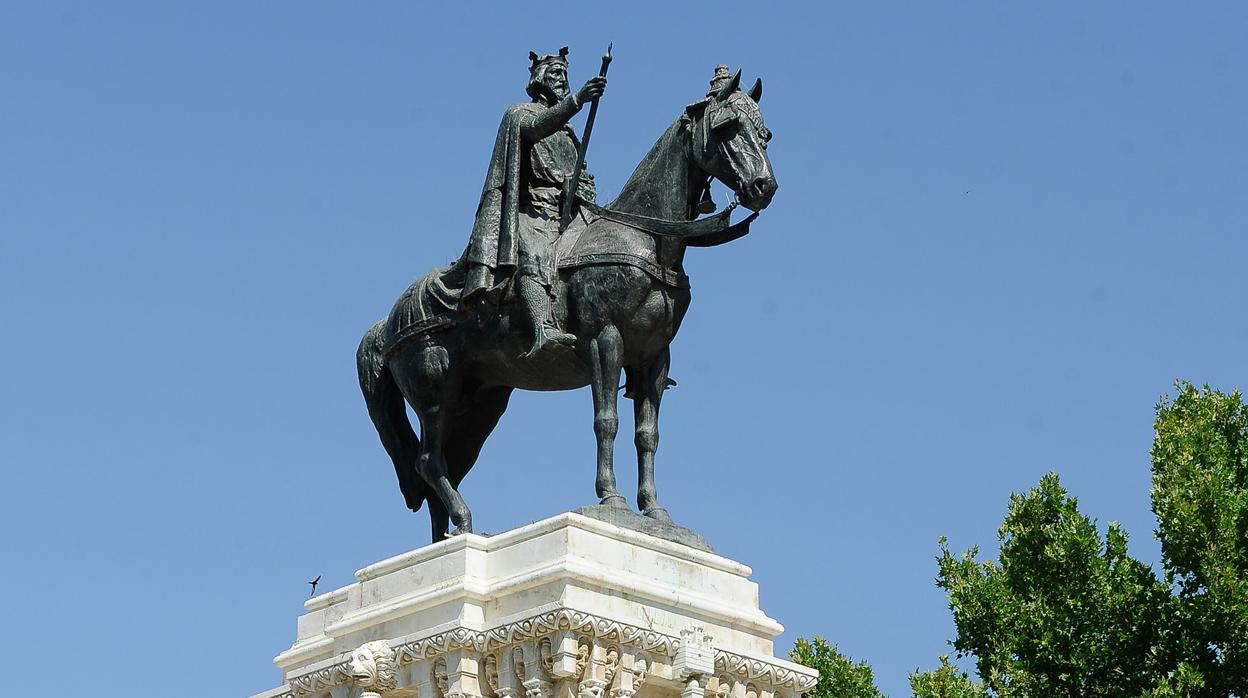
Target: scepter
(570, 186)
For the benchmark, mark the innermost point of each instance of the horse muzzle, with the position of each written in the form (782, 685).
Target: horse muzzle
(757, 195)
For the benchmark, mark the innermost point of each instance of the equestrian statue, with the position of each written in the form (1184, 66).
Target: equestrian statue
(555, 292)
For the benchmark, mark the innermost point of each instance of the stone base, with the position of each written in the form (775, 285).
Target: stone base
(567, 607)
(627, 518)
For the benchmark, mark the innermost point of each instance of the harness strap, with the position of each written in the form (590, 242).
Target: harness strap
(704, 232)
(670, 277)
(732, 232)
(660, 226)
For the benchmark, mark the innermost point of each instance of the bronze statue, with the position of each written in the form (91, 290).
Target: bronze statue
(518, 218)
(535, 306)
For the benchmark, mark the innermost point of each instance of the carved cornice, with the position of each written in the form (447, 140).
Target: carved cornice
(543, 625)
(751, 669)
(534, 628)
(321, 679)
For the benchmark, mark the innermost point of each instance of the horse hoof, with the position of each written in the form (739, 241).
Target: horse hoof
(462, 528)
(616, 501)
(658, 514)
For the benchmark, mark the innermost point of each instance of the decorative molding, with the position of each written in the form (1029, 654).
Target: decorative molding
(543, 625)
(752, 669)
(321, 679)
(536, 627)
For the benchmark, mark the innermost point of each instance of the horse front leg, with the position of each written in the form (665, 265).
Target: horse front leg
(606, 356)
(652, 381)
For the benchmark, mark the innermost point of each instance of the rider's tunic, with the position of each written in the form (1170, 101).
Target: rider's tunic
(517, 220)
(544, 168)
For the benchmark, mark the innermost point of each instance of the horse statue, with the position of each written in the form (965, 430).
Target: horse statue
(621, 290)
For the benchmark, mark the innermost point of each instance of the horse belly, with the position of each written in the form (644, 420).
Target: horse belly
(562, 370)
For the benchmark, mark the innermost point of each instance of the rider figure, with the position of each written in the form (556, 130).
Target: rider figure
(517, 221)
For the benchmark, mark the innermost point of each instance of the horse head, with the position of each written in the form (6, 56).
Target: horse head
(729, 142)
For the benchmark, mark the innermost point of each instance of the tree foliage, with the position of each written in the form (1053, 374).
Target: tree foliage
(1064, 610)
(839, 676)
(1200, 497)
(946, 681)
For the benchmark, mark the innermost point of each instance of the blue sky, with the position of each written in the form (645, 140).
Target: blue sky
(1002, 231)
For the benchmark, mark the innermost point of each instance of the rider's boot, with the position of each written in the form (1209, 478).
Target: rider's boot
(537, 307)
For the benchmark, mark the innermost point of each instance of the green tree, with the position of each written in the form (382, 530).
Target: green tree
(1200, 497)
(1184, 682)
(946, 681)
(1063, 611)
(839, 676)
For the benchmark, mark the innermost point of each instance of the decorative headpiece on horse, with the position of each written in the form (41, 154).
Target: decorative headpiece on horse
(724, 83)
(721, 78)
(723, 86)
(537, 69)
(717, 112)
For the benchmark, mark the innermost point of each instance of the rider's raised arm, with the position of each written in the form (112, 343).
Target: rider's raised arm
(535, 127)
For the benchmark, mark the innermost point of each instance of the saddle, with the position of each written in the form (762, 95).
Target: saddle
(614, 242)
(431, 304)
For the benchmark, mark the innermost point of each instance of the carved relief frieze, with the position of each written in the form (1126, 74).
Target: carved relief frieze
(602, 658)
(751, 669)
(611, 663)
(440, 681)
(489, 671)
(590, 668)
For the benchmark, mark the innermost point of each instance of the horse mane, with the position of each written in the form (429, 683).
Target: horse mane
(663, 171)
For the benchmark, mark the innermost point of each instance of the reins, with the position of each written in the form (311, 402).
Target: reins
(704, 232)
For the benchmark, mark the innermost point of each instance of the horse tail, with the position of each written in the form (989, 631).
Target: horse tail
(388, 411)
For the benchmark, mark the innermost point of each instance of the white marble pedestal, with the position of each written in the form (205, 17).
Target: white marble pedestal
(568, 607)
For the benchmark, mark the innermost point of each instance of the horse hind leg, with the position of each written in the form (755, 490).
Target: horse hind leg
(433, 468)
(439, 520)
(651, 382)
(432, 394)
(437, 473)
(606, 358)
(463, 444)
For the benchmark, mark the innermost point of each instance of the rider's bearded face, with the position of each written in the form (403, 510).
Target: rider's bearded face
(555, 79)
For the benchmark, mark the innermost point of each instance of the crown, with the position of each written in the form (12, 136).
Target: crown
(538, 61)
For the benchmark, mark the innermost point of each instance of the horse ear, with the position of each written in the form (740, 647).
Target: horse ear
(563, 52)
(729, 88)
(756, 92)
(532, 55)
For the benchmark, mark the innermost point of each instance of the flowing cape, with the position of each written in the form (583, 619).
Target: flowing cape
(492, 247)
